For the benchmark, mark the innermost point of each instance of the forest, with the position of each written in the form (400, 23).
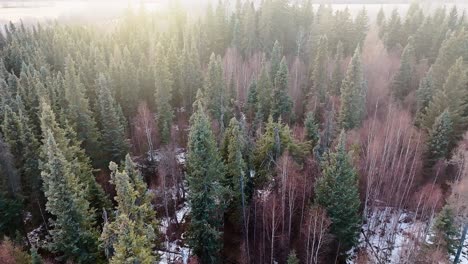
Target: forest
(270, 131)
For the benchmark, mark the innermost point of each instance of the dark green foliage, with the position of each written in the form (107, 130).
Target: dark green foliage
(281, 104)
(337, 191)
(439, 139)
(319, 76)
(445, 232)
(234, 150)
(401, 85)
(78, 111)
(353, 94)
(132, 234)
(276, 139)
(163, 95)
(264, 94)
(215, 90)
(115, 144)
(337, 74)
(394, 31)
(72, 234)
(311, 129)
(292, 258)
(205, 173)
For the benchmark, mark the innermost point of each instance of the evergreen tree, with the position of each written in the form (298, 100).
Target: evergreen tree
(445, 231)
(424, 95)
(292, 258)
(275, 61)
(380, 17)
(163, 95)
(264, 94)
(74, 155)
(78, 112)
(131, 236)
(319, 77)
(252, 98)
(72, 234)
(281, 104)
(215, 90)
(353, 94)
(234, 148)
(337, 74)
(451, 97)
(276, 139)
(205, 172)
(402, 80)
(311, 129)
(361, 26)
(439, 139)
(337, 191)
(394, 31)
(115, 144)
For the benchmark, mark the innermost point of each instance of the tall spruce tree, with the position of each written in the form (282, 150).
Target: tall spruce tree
(79, 163)
(439, 139)
(234, 148)
(337, 74)
(264, 94)
(205, 172)
(353, 94)
(319, 76)
(337, 191)
(131, 236)
(215, 90)
(78, 111)
(311, 129)
(163, 95)
(452, 97)
(281, 103)
(72, 234)
(115, 143)
(401, 85)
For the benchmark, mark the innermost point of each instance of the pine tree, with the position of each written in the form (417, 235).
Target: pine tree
(275, 61)
(424, 95)
(205, 172)
(361, 26)
(319, 77)
(337, 74)
(163, 95)
(252, 98)
(439, 139)
(234, 148)
(292, 258)
(215, 90)
(72, 233)
(401, 85)
(276, 139)
(131, 236)
(80, 164)
(264, 94)
(451, 97)
(281, 104)
(115, 144)
(394, 29)
(445, 231)
(353, 94)
(337, 191)
(380, 17)
(311, 129)
(78, 111)
(24, 147)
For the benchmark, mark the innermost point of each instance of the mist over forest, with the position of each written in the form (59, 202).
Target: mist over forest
(233, 131)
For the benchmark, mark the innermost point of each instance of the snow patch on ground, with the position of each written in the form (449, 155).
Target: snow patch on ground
(175, 251)
(389, 236)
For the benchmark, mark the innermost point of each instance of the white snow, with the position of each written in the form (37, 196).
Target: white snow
(390, 235)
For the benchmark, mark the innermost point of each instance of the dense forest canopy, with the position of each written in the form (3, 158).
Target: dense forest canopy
(274, 132)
